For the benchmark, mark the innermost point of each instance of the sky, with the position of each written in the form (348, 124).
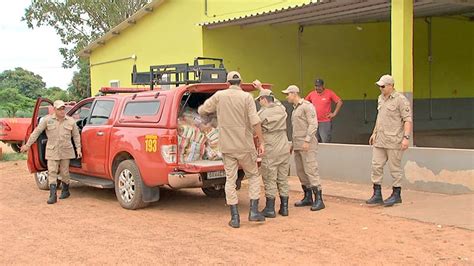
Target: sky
(36, 50)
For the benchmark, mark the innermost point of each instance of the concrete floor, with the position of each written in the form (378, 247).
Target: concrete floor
(452, 138)
(439, 209)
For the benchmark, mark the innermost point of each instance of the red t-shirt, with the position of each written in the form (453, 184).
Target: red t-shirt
(322, 103)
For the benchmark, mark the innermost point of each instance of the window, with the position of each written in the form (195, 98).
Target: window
(141, 108)
(43, 109)
(82, 112)
(101, 112)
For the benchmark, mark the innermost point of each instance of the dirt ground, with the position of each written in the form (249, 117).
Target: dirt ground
(186, 227)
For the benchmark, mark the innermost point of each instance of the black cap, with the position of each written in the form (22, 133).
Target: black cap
(319, 82)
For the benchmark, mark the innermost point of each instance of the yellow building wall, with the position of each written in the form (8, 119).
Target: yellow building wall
(350, 58)
(452, 58)
(168, 35)
(266, 53)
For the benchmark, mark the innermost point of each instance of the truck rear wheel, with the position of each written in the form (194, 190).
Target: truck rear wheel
(212, 192)
(128, 186)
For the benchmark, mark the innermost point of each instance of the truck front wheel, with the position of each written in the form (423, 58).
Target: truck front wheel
(128, 186)
(41, 179)
(16, 147)
(42, 182)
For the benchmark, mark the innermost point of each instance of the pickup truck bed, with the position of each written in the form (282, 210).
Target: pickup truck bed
(13, 131)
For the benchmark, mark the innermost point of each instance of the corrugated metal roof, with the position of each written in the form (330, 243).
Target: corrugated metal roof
(343, 11)
(262, 13)
(132, 20)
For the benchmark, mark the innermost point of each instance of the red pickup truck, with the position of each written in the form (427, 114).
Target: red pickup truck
(130, 143)
(13, 130)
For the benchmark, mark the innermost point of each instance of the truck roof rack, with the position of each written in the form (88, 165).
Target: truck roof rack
(179, 74)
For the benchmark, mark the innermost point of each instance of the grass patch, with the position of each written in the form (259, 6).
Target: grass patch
(14, 156)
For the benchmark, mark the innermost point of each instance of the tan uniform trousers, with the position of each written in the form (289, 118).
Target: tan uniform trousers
(248, 162)
(58, 166)
(275, 175)
(307, 168)
(381, 156)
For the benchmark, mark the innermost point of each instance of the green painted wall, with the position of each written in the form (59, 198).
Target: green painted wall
(163, 37)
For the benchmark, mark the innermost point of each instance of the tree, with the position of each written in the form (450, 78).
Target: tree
(27, 82)
(11, 101)
(78, 22)
(80, 84)
(56, 93)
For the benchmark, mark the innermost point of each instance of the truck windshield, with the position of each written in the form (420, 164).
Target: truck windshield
(101, 112)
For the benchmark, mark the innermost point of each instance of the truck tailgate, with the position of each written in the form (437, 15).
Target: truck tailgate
(202, 166)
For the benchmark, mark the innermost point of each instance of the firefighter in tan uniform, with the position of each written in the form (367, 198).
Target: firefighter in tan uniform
(390, 139)
(237, 119)
(59, 150)
(276, 161)
(305, 146)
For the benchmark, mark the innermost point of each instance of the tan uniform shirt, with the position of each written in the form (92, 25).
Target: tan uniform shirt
(273, 120)
(59, 145)
(236, 116)
(393, 112)
(305, 125)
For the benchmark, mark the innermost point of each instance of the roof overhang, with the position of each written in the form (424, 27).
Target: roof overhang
(344, 11)
(132, 20)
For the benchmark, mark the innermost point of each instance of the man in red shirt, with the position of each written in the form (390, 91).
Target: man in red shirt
(322, 98)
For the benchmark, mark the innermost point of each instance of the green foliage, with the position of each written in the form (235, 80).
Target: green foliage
(14, 156)
(12, 101)
(56, 93)
(80, 85)
(78, 22)
(28, 83)
(19, 88)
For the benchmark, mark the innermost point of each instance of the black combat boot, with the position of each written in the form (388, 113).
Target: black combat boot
(52, 194)
(377, 196)
(318, 200)
(254, 214)
(234, 216)
(64, 191)
(283, 206)
(394, 198)
(269, 210)
(308, 198)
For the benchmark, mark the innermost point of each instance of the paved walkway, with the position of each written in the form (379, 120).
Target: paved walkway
(440, 209)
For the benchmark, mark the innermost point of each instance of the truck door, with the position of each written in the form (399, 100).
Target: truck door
(95, 137)
(80, 112)
(36, 155)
